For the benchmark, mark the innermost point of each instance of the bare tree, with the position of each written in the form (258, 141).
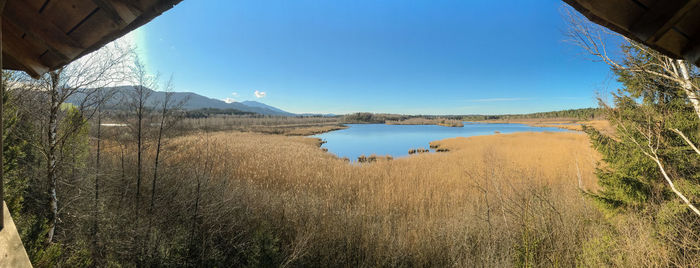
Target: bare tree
(76, 83)
(138, 98)
(102, 96)
(166, 121)
(676, 73)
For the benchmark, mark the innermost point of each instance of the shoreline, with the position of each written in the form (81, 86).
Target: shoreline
(434, 146)
(562, 123)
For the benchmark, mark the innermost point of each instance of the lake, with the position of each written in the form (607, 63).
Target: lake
(396, 140)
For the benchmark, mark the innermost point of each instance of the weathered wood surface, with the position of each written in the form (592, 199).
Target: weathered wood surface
(42, 35)
(12, 253)
(669, 26)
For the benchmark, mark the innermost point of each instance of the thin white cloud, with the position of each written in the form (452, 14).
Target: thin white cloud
(498, 99)
(568, 98)
(229, 100)
(235, 94)
(260, 94)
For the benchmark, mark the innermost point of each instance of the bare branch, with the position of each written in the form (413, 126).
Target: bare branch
(690, 143)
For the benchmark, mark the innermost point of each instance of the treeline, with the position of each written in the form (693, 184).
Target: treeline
(209, 112)
(372, 118)
(381, 118)
(580, 114)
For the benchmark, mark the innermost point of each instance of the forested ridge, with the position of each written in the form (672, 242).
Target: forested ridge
(580, 114)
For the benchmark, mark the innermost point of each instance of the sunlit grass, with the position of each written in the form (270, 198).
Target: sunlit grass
(490, 200)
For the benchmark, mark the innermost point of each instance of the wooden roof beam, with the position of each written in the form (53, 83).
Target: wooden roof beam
(118, 11)
(132, 6)
(110, 11)
(691, 52)
(30, 63)
(42, 42)
(52, 36)
(672, 21)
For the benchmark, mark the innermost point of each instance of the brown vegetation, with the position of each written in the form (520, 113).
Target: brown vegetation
(493, 201)
(418, 151)
(291, 126)
(373, 158)
(564, 123)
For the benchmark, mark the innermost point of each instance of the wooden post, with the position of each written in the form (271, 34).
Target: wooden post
(2, 126)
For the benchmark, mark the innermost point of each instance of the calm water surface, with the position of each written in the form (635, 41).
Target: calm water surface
(396, 140)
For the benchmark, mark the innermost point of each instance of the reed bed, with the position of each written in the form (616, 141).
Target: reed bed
(490, 201)
(292, 126)
(564, 123)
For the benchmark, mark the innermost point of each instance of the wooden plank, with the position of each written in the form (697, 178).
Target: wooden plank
(66, 14)
(691, 52)
(51, 60)
(673, 42)
(592, 10)
(67, 29)
(28, 43)
(124, 11)
(14, 46)
(33, 40)
(34, 4)
(144, 5)
(2, 128)
(657, 15)
(94, 28)
(621, 13)
(690, 24)
(8, 63)
(110, 11)
(118, 11)
(673, 20)
(20, 16)
(648, 3)
(13, 253)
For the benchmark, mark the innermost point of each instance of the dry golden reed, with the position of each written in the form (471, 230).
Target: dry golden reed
(491, 200)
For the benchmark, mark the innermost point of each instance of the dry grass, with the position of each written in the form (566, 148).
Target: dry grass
(487, 201)
(312, 130)
(491, 201)
(570, 124)
(292, 126)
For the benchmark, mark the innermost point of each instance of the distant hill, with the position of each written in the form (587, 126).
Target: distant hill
(255, 104)
(193, 101)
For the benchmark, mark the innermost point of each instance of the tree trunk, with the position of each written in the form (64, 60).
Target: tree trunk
(155, 165)
(155, 175)
(195, 215)
(673, 186)
(688, 87)
(51, 175)
(96, 205)
(125, 183)
(139, 151)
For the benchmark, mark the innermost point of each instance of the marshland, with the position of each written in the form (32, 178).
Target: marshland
(357, 134)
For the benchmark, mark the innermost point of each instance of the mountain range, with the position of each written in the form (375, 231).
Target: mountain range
(191, 101)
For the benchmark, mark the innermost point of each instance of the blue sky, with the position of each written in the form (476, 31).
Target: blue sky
(394, 56)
